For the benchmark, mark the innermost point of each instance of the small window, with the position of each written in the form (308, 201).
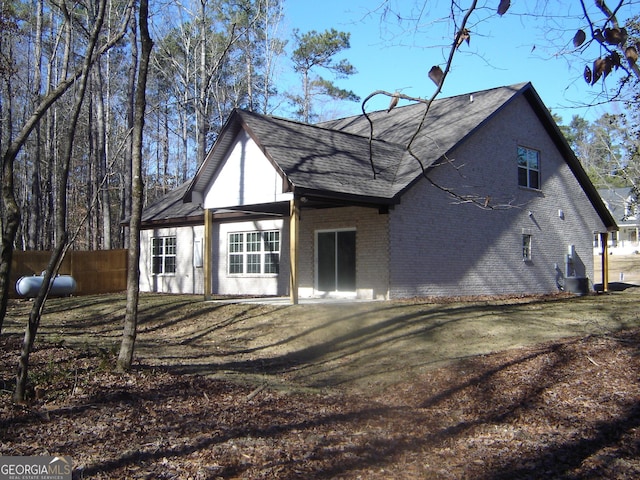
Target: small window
(198, 260)
(526, 247)
(163, 255)
(528, 168)
(613, 241)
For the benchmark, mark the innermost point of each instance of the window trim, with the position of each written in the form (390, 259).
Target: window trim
(247, 249)
(164, 256)
(527, 168)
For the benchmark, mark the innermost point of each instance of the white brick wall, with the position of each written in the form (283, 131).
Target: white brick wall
(188, 278)
(372, 253)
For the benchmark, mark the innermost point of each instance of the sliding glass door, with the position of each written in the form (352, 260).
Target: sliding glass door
(336, 261)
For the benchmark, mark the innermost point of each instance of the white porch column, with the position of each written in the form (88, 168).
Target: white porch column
(604, 240)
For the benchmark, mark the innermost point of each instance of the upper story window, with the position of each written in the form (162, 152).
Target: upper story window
(528, 168)
(254, 253)
(163, 255)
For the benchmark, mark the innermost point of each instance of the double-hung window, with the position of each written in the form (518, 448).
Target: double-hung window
(254, 253)
(163, 255)
(236, 253)
(528, 168)
(271, 252)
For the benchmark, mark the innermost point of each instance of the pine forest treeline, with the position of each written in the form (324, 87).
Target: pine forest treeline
(209, 57)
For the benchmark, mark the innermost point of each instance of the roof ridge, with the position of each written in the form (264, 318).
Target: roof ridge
(515, 86)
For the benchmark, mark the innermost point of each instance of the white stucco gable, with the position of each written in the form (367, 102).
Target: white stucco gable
(246, 177)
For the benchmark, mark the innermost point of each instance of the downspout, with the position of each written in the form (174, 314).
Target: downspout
(604, 240)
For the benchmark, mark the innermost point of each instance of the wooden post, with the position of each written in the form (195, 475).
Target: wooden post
(294, 234)
(604, 240)
(206, 257)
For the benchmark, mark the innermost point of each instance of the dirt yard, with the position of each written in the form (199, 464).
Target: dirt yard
(484, 389)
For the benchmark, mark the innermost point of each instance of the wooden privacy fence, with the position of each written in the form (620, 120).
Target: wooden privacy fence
(102, 271)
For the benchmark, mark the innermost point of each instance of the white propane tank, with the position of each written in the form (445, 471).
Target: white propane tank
(60, 286)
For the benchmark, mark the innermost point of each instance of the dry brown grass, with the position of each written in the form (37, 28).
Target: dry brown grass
(348, 345)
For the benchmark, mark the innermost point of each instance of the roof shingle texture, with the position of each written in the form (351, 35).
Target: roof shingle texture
(335, 156)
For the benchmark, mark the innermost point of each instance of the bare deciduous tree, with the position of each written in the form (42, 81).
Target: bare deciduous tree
(606, 32)
(133, 274)
(95, 18)
(96, 46)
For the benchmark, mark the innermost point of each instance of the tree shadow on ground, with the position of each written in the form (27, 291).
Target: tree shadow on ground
(554, 411)
(345, 436)
(358, 345)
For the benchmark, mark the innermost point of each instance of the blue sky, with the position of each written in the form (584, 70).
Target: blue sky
(501, 52)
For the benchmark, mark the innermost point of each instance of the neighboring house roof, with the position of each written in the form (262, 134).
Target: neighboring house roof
(622, 204)
(333, 159)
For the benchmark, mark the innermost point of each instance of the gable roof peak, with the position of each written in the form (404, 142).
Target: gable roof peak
(335, 157)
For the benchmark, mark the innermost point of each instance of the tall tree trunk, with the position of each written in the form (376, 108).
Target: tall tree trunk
(91, 180)
(249, 65)
(133, 273)
(51, 154)
(34, 226)
(10, 216)
(127, 174)
(202, 111)
(165, 149)
(102, 214)
(35, 212)
(306, 98)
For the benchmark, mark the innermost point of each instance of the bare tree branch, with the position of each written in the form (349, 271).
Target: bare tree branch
(478, 200)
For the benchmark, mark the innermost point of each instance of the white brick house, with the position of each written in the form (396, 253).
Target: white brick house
(489, 199)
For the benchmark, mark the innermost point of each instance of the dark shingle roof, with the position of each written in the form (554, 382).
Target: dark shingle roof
(321, 159)
(332, 159)
(449, 121)
(172, 209)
